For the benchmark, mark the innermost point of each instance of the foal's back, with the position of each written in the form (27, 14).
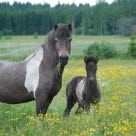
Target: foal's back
(72, 85)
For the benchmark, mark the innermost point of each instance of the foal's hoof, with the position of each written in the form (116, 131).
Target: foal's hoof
(65, 116)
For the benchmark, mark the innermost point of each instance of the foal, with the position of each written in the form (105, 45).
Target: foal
(83, 90)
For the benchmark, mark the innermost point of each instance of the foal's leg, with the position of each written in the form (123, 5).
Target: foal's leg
(42, 103)
(87, 107)
(97, 106)
(80, 108)
(70, 104)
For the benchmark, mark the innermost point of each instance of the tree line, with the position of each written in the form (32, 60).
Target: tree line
(118, 17)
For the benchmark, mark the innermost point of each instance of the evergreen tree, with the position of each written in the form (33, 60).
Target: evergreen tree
(101, 19)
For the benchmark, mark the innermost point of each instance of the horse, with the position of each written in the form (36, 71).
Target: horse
(84, 90)
(39, 76)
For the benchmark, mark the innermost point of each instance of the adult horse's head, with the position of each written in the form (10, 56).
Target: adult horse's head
(61, 40)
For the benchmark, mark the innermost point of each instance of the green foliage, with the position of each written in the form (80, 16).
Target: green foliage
(132, 46)
(101, 50)
(7, 37)
(78, 31)
(35, 35)
(1, 35)
(7, 32)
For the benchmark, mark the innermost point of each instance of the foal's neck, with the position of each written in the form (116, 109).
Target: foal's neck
(91, 83)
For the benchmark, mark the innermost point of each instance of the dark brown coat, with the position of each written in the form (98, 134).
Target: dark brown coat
(38, 77)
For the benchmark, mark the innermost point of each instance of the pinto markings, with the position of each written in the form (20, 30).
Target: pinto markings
(32, 72)
(79, 89)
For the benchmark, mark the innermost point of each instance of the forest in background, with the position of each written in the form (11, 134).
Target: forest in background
(117, 18)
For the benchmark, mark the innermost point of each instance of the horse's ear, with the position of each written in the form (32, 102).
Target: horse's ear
(96, 59)
(55, 27)
(85, 59)
(70, 27)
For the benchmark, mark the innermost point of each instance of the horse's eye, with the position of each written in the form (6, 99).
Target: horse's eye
(70, 40)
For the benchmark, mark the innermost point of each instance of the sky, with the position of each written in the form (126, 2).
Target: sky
(54, 2)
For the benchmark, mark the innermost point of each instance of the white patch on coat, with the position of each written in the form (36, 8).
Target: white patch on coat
(32, 72)
(79, 90)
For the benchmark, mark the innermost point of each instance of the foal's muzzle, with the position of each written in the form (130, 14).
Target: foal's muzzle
(64, 60)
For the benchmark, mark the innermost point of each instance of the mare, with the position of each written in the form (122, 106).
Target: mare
(39, 76)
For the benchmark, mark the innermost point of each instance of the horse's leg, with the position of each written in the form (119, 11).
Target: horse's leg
(42, 103)
(87, 107)
(80, 108)
(70, 104)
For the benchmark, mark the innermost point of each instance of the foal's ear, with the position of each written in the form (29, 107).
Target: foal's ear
(55, 27)
(70, 27)
(96, 59)
(85, 59)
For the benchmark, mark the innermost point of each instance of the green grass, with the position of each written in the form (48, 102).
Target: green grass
(117, 80)
(22, 46)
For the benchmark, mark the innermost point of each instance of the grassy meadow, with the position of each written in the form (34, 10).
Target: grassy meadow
(18, 47)
(117, 81)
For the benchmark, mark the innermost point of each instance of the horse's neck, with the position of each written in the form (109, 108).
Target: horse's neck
(50, 57)
(91, 84)
(51, 61)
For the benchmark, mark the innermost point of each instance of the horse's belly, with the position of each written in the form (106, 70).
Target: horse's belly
(15, 96)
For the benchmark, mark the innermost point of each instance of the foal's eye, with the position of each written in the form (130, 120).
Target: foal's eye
(70, 40)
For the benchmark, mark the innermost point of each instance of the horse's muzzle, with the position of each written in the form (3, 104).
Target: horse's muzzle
(64, 60)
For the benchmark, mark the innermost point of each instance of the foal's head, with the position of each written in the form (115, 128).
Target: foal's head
(62, 41)
(91, 67)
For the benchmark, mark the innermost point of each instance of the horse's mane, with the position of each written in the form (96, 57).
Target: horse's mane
(61, 31)
(33, 54)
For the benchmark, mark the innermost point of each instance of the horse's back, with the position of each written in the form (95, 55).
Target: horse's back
(12, 78)
(11, 74)
(4, 64)
(72, 85)
(8, 64)
(8, 69)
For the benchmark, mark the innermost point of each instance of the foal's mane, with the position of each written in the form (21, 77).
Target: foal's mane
(90, 59)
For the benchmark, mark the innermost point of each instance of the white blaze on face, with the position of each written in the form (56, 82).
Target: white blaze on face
(32, 72)
(79, 90)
